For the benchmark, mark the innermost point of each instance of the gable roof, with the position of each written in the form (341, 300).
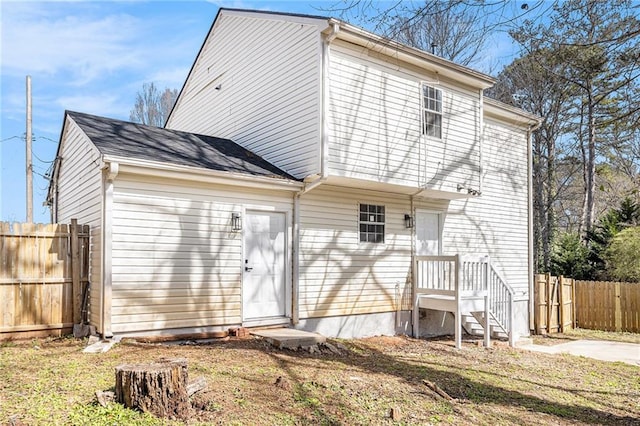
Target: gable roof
(124, 139)
(357, 36)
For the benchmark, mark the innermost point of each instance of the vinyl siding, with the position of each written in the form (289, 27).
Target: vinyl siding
(79, 197)
(341, 276)
(496, 223)
(338, 274)
(268, 71)
(375, 125)
(176, 262)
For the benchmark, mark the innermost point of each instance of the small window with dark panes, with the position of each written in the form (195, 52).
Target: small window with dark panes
(371, 223)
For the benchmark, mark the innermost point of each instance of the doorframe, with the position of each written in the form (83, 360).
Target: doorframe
(286, 319)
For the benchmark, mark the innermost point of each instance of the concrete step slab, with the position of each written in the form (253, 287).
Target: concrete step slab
(289, 338)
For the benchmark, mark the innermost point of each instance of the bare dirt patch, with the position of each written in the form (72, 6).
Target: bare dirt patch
(372, 381)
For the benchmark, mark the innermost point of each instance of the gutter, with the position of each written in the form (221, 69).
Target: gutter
(530, 130)
(172, 171)
(324, 169)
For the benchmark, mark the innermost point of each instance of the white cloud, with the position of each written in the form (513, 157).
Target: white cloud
(82, 46)
(106, 104)
(173, 78)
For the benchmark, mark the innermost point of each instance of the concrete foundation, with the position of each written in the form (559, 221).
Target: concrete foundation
(356, 326)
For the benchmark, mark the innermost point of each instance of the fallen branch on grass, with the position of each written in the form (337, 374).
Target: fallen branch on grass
(438, 391)
(196, 386)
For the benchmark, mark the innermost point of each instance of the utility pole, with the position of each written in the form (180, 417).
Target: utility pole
(29, 159)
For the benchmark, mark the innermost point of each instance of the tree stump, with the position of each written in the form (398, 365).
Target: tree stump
(159, 388)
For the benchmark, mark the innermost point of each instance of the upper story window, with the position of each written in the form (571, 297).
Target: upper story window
(371, 223)
(432, 111)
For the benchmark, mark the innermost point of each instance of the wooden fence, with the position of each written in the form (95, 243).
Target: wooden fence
(43, 278)
(554, 308)
(609, 306)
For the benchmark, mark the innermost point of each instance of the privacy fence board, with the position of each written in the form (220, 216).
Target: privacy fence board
(43, 272)
(608, 306)
(554, 309)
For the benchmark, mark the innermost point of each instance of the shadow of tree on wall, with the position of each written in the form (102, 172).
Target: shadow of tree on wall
(182, 279)
(341, 277)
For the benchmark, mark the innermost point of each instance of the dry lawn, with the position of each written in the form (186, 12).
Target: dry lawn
(53, 382)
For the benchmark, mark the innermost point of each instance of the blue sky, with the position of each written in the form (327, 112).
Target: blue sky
(93, 57)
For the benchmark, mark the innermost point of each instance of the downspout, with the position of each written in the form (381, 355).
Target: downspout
(480, 141)
(324, 81)
(324, 170)
(530, 130)
(110, 172)
(412, 271)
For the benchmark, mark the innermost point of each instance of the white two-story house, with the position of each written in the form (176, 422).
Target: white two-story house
(311, 174)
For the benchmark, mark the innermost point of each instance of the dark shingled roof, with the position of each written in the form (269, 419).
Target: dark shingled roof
(138, 141)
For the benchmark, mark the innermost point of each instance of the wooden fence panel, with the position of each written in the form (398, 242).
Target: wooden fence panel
(630, 307)
(608, 306)
(36, 282)
(554, 304)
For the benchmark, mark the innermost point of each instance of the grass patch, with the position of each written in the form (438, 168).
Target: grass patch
(53, 382)
(585, 334)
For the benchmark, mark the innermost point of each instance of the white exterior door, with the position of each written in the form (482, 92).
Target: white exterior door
(428, 241)
(264, 276)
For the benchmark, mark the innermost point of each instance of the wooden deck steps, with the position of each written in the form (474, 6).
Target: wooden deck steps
(470, 288)
(473, 324)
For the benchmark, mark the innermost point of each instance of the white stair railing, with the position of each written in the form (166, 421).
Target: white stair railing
(467, 275)
(501, 302)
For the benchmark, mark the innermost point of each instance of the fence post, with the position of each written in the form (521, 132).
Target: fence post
(75, 272)
(549, 303)
(573, 303)
(561, 304)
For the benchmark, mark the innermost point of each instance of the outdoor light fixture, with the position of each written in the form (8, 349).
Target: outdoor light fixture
(408, 220)
(236, 222)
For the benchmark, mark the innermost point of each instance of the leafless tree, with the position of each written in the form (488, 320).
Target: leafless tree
(599, 45)
(453, 32)
(527, 85)
(457, 30)
(152, 107)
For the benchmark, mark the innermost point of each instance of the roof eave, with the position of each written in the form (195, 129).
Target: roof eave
(499, 109)
(359, 36)
(176, 171)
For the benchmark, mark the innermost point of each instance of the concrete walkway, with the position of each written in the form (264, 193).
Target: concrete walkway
(597, 349)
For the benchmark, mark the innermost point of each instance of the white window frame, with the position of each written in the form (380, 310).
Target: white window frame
(431, 110)
(372, 220)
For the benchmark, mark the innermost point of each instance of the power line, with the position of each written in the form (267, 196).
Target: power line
(41, 160)
(23, 137)
(12, 137)
(44, 137)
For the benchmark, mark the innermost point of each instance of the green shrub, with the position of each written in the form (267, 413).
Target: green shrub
(623, 255)
(569, 257)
